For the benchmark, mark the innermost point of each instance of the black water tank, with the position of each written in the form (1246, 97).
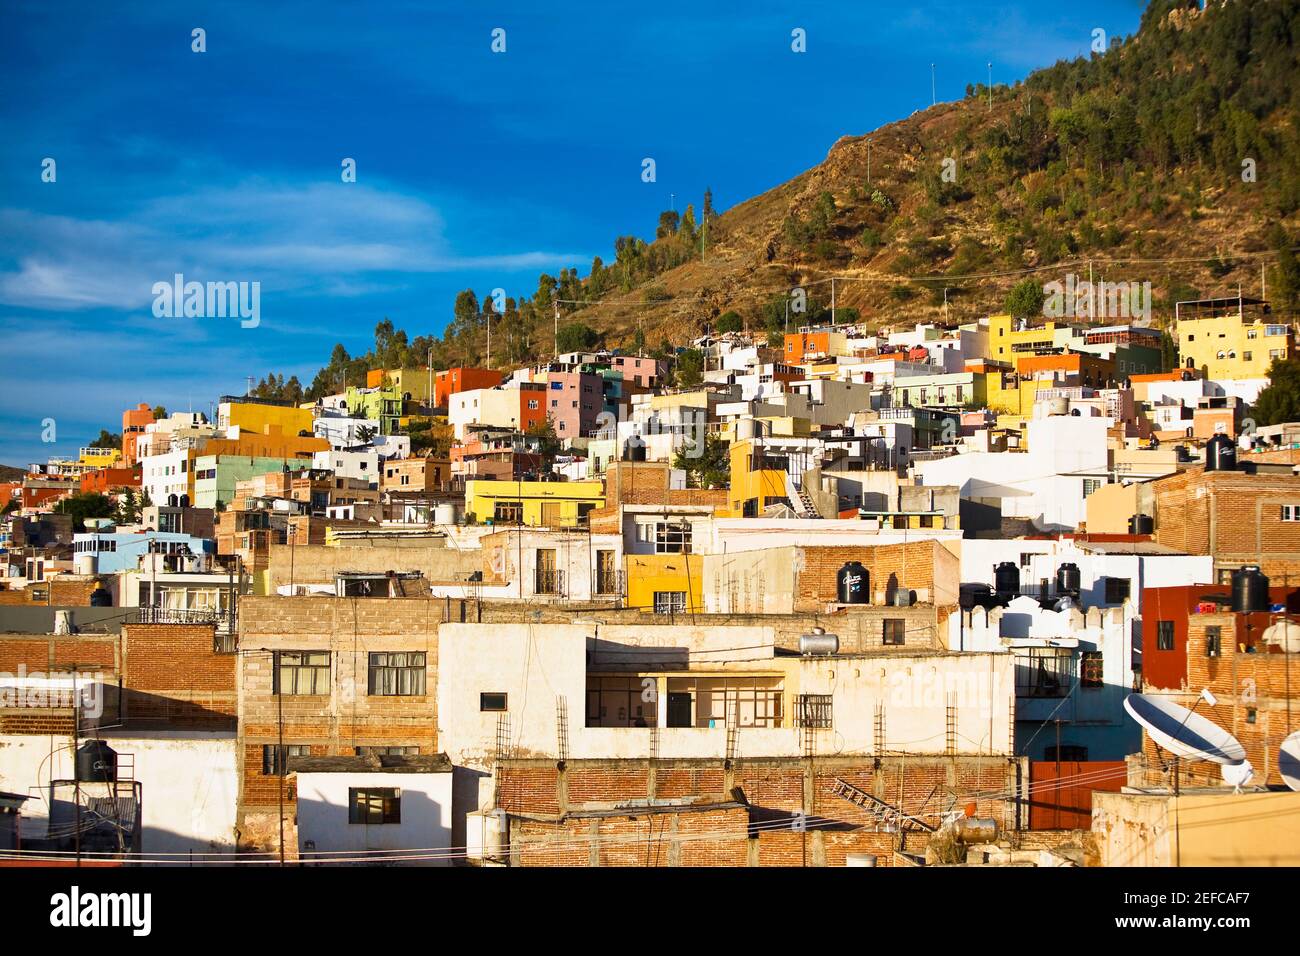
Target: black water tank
(974, 595)
(1141, 524)
(1220, 454)
(96, 762)
(634, 451)
(101, 597)
(1067, 579)
(851, 584)
(1006, 578)
(1249, 590)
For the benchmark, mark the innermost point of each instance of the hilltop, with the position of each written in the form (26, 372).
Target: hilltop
(1168, 158)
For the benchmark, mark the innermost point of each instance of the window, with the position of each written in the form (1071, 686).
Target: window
(670, 602)
(508, 512)
(491, 702)
(1072, 752)
(1213, 640)
(894, 631)
(1090, 485)
(302, 673)
(1117, 590)
(813, 710)
(1164, 635)
(1291, 512)
(275, 758)
(399, 674)
(1090, 669)
(1044, 672)
(622, 702)
(374, 805)
(407, 751)
(1247, 356)
(673, 537)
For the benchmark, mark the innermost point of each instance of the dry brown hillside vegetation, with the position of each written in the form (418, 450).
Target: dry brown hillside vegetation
(1170, 158)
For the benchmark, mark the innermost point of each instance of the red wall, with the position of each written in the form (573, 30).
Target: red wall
(1168, 669)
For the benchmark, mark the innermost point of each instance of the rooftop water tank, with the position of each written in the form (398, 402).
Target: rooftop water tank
(96, 762)
(1006, 579)
(852, 584)
(1249, 590)
(1068, 580)
(1220, 454)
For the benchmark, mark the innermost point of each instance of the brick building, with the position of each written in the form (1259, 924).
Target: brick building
(328, 677)
(742, 812)
(1239, 518)
(1257, 692)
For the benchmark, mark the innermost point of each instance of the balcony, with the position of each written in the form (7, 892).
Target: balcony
(609, 582)
(548, 581)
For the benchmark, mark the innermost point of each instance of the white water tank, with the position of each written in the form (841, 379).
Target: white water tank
(62, 622)
(444, 513)
(859, 859)
(86, 563)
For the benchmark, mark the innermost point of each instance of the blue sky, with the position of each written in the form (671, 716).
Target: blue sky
(474, 169)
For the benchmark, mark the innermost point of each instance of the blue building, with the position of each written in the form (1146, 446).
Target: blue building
(121, 551)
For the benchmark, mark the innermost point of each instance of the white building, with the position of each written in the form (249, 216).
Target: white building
(1068, 458)
(375, 810)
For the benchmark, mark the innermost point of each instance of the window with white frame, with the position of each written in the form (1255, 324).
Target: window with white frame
(1291, 512)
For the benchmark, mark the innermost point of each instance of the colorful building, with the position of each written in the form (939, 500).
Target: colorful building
(461, 379)
(263, 416)
(810, 343)
(215, 475)
(550, 504)
(134, 422)
(1231, 338)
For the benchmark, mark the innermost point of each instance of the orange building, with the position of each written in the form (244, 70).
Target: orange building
(105, 480)
(134, 421)
(1069, 369)
(460, 379)
(800, 346)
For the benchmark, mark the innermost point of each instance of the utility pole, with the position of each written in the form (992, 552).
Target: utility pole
(868, 160)
(990, 87)
(556, 303)
(933, 99)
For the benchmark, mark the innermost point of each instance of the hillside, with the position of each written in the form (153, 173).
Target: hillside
(1128, 157)
(1168, 159)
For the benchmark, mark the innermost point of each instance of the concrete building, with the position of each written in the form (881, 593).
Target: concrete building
(1231, 338)
(377, 809)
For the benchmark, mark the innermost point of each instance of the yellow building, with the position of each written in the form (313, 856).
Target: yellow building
(91, 458)
(665, 583)
(536, 504)
(413, 384)
(761, 469)
(1230, 338)
(1009, 338)
(264, 417)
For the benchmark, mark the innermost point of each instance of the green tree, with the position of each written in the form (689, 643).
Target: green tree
(730, 322)
(690, 368)
(708, 466)
(1280, 401)
(1025, 299)
(106, 439)
(85, 505)
(159, 412)
(548, 444)
(576, 338)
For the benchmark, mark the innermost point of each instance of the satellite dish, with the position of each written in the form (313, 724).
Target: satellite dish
(1288, 761)
(1182, 732)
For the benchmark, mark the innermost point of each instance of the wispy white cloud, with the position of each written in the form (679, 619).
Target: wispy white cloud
(291, 238)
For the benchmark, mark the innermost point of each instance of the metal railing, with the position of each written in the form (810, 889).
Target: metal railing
(609, 582)
(548, 581)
